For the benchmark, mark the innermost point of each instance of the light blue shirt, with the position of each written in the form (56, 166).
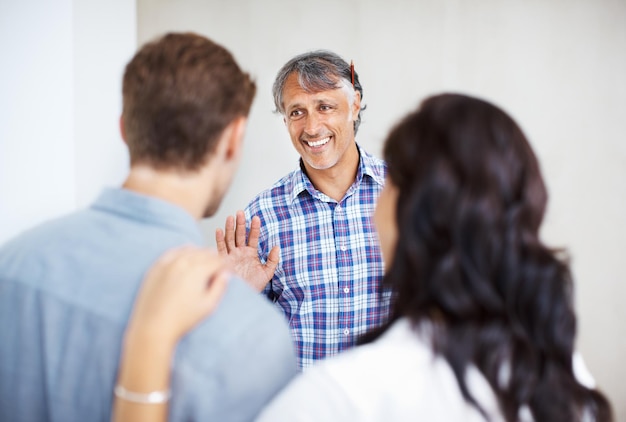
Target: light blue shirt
(66, 292)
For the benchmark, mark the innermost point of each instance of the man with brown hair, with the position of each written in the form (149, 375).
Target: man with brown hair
(67, 287)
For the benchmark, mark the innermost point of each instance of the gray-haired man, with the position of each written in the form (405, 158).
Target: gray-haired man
(318, 218)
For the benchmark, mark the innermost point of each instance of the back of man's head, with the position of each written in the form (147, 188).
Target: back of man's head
(180, 92)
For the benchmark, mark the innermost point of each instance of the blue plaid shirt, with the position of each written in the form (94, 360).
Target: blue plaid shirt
(328, 281)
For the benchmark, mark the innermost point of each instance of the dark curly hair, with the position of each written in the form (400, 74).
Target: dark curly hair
(469, 259)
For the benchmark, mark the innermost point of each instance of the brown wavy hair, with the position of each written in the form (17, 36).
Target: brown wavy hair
(180, 92)
(469, 259)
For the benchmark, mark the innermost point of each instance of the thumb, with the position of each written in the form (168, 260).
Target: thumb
(272, 262)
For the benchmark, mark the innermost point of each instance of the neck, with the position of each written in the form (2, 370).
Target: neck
(177, 187)
(335, 181)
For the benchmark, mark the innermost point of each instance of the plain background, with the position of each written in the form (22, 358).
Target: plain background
(558, 67)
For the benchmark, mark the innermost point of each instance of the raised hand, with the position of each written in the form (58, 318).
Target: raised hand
(241, 255)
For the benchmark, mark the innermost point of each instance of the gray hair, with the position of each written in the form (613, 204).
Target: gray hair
(319, 70)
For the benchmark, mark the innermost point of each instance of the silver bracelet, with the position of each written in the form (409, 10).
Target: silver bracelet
(155, 397)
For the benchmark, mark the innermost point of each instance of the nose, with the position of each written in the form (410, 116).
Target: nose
(311, 125)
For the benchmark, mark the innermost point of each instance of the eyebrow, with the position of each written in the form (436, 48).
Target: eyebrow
(317, 102)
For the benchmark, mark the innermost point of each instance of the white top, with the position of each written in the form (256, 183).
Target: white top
(395, 378)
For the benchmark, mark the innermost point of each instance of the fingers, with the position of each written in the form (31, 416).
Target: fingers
(272, 262)
(240, 229)
(192, 265)
(220, 241)
(197, 294)
(166, 261)
(214, 291)
(234, 234)
(190, 270)
(255, 232)
(176, 294)
(207, 262)
(230, 233)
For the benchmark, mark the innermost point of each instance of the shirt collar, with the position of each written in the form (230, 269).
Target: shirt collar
(368, 166)
(137, 206)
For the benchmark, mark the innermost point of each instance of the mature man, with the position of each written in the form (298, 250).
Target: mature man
(67, 287)
(318, 218)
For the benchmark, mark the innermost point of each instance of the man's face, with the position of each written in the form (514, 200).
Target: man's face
(320, 124)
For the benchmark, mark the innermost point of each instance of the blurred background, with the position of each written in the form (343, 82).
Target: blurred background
(558, 67)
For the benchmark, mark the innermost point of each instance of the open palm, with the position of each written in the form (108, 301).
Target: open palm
(241, 254)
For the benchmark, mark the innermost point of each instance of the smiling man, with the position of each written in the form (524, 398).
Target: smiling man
(315, 224)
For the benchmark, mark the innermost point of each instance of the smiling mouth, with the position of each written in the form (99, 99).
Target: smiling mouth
(319, 143)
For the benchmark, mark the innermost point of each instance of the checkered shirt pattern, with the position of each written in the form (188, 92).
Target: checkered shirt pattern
(328, 281)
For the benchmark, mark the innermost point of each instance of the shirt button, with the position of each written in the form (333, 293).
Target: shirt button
(346, 332)
(346, 290)
(343, 248)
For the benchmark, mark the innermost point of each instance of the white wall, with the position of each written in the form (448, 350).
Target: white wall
(36, 113)
(60, 85)
(105, 39)
(557, 66)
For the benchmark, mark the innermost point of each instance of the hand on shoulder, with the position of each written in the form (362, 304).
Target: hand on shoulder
(183, 287)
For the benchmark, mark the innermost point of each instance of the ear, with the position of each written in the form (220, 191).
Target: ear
(234, 134)
(356, 106)
(122, 129)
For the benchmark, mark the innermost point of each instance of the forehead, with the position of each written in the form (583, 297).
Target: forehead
(294, 93)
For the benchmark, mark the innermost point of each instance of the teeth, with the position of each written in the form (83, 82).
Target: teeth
(319, 143)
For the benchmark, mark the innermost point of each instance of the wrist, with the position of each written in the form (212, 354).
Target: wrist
(150, 337)
(146, 360)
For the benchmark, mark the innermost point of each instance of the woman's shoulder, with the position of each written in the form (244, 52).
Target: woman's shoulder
(402, 349)
(399, 375)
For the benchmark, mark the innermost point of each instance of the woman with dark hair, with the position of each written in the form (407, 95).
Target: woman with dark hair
(482, 324)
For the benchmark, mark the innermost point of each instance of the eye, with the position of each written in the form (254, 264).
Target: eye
(325, 107)
(295, 114)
